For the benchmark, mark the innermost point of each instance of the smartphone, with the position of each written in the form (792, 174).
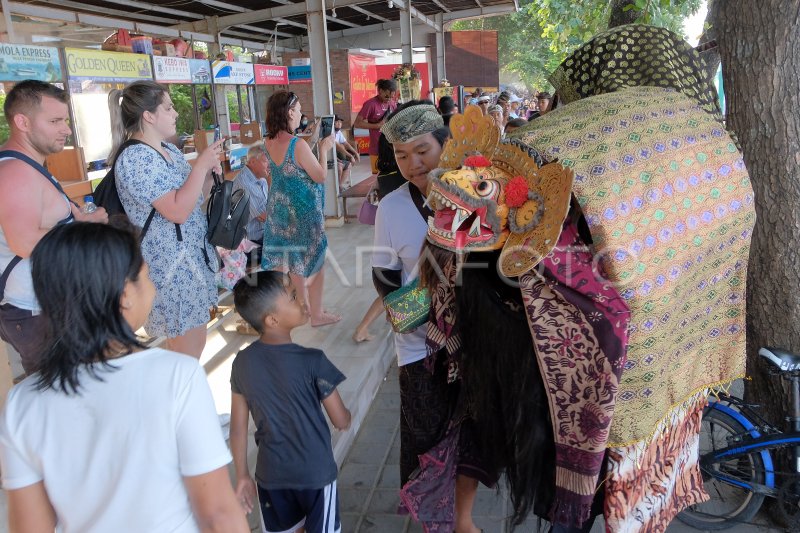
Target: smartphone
(325, 126)
(217, 134)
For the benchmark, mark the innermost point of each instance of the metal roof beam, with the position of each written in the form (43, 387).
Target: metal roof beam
(453, 15)
(441, 6)
(155, 8)
(416, 13)
(272, 13)
(240, 9)
(252, 45)
(103, 22)
(478, 12)
(109, 11)
(268, 34)
(335, 20)
(369, 14)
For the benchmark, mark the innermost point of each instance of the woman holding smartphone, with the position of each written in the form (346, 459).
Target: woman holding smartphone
(153, 175)
(294, 233)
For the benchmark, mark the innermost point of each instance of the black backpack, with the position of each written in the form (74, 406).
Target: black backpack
(107, 197)
(227, 213)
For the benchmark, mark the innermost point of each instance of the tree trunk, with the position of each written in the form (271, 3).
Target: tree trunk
(710, 57)
(760, 49)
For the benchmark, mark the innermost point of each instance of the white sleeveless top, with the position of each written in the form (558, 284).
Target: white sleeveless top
(19, 286)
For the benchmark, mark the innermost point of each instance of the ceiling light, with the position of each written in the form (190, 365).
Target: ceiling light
(391, 4)
(333, 12)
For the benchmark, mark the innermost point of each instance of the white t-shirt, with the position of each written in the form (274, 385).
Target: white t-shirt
(113, 457)
(399, 234)
(339, 137)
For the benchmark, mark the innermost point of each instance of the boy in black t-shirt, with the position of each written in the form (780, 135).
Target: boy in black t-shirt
(282, 385)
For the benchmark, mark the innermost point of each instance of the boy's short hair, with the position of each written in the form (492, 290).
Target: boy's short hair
(254, 296)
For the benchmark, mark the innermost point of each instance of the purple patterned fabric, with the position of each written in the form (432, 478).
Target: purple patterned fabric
(579, 325)
(430, 497)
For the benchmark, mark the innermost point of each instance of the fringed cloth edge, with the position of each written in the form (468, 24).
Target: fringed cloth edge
(677, 410)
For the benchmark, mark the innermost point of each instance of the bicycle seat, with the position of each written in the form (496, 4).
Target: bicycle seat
(785, 361)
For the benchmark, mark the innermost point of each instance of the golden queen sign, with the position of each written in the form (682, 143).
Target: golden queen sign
(107, 66)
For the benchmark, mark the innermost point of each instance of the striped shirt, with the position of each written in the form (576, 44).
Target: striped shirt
(258, 190)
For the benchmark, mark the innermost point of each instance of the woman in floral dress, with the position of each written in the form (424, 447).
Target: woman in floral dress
(153, 176)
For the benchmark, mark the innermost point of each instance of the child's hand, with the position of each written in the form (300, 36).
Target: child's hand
(246, 493)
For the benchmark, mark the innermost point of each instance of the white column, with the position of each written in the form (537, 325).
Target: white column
(405, 34)
(12, 38)
(440, 70)
(323, 97)
(220, 99)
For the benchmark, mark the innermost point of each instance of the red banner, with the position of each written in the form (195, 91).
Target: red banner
(363, 78)
(271, 75)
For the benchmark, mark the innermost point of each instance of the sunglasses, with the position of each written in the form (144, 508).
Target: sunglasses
(292, 100)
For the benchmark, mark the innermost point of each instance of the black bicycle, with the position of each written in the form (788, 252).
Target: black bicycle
(737, 448)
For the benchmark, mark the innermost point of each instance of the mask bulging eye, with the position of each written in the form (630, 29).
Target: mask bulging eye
(486, 188)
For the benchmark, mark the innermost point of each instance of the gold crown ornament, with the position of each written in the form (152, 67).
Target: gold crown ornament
(489, 194)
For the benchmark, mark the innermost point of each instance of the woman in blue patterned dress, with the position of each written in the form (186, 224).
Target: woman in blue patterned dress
(153, 174)
(294, 234)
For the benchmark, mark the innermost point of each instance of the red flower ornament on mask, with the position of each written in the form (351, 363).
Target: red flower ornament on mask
(477, 161)
(516, 192)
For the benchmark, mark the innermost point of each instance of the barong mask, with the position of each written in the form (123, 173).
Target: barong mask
(489, 194)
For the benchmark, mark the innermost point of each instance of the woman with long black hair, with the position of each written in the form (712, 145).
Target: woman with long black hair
(109, 435)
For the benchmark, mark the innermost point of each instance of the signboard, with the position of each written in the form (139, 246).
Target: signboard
(201, 70)
(363, 77)
(232, 73)
(97, 65)
(271, 75)
(172, 69)
(181, 70)
(22, 62)
(300, 74)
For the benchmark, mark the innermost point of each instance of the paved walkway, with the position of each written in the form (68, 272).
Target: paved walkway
(370, 478)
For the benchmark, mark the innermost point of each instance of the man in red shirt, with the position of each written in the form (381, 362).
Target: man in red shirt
(373, 115)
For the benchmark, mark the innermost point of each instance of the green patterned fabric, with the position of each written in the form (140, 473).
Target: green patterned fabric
(668, 200)
(635, 55)
(407, 307)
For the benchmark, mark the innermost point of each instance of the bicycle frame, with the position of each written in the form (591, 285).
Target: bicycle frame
(759, 439)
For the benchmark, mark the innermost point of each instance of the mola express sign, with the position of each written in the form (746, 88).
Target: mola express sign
(107, 66)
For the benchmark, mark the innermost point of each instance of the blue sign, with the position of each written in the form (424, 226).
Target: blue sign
(24, 62)
(300, 74)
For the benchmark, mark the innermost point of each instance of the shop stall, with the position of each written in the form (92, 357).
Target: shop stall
(189, 82)
(20, 62)
(269, 78)
(236, 81)
(92, 76)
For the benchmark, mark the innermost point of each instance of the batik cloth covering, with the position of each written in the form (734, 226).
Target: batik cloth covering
(669, 204)
(668, 201)
(635, 55)
(442, 335)
(646, 491)
(579, 326)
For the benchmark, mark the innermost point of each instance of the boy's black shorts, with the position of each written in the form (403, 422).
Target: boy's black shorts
(284, 510)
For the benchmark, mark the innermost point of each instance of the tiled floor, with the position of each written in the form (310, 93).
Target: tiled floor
(370, 478)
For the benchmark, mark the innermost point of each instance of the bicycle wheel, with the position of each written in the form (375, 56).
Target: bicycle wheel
(730, 504)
